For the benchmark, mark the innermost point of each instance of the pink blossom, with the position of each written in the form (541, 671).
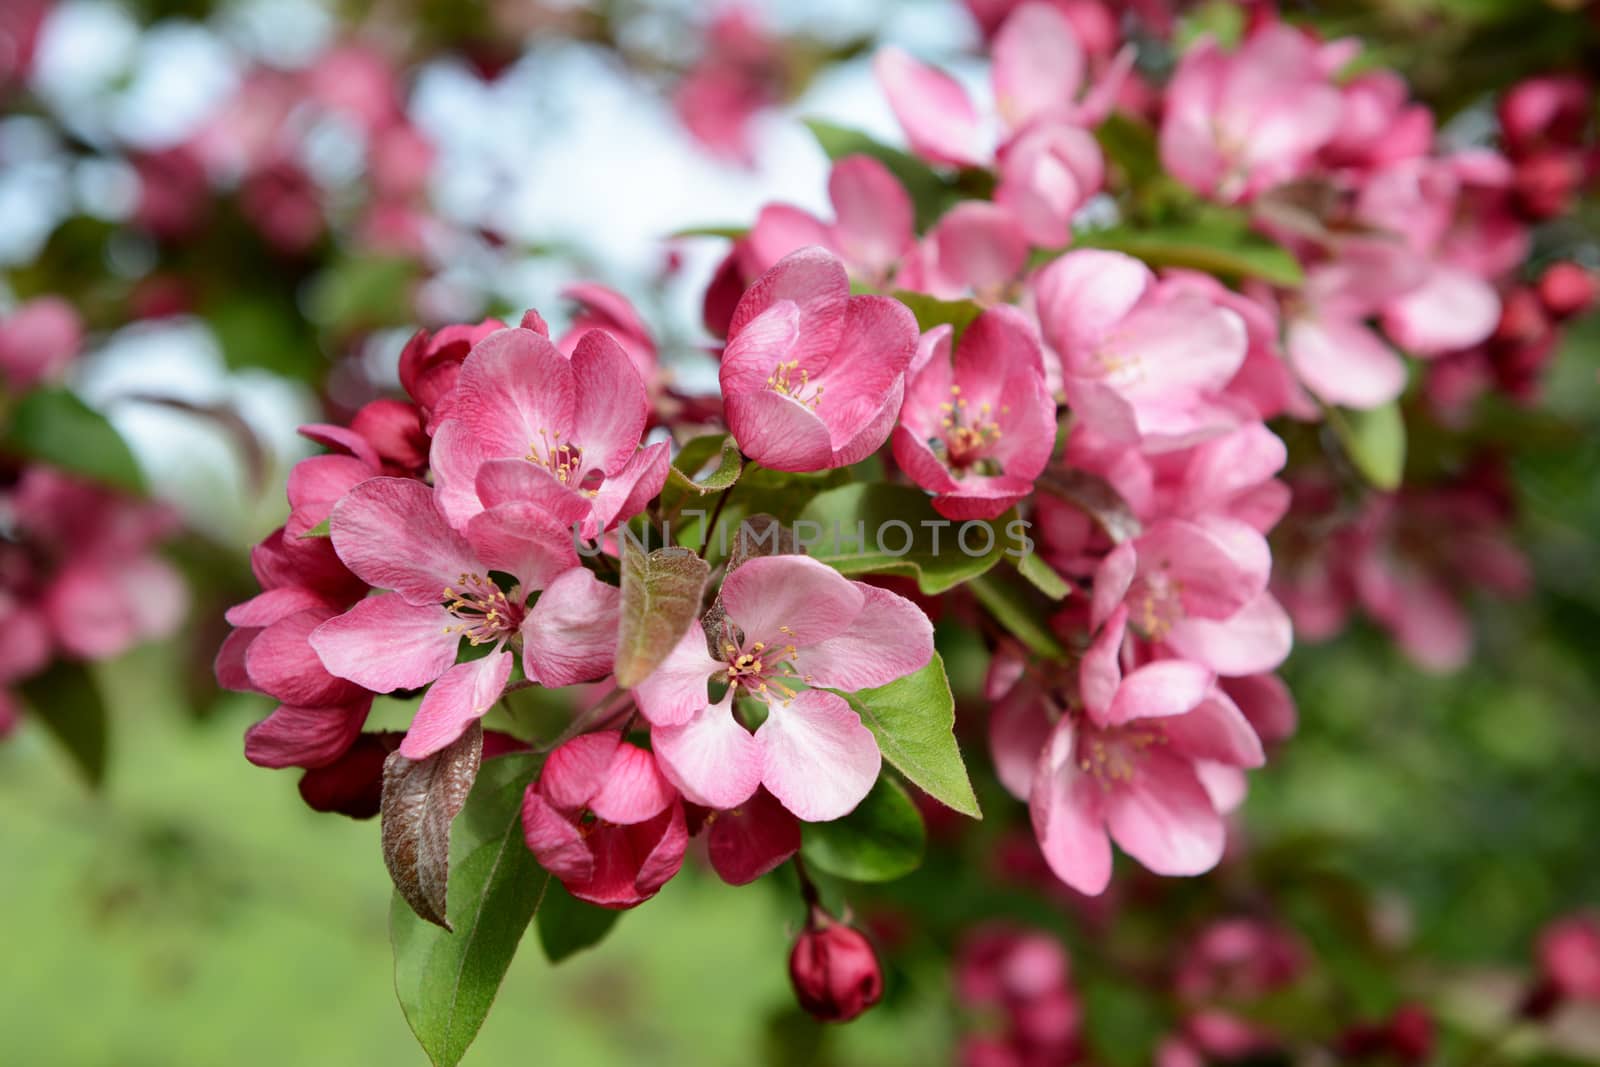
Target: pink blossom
(1199, 587)
(525, 423)
(603, 820)
(602, 308)
(976, 249)
(738, 76)
(1143, 362)
(812, 377)
(1239, 123)
(37, 342)
(1125, 758)
(1038, 73)
(1334, 354)
(1047, 173)
(1378, 124)
(976, 430)
(788, 622)
(871, 231)
(390, 533)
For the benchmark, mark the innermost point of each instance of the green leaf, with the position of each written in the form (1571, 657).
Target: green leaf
(660, 600)
(1223, 245)
(66, 700)
(568, 925)
(446, 981)
(881, 840)
(929, 193)
(1013, 603)
(697, 454)
(900, 533)
(1131, 144)
(931, 311)
(363, 293)
(53, 425)
(732, 233)
(1043, 577)
(1375, 441)
(914, 720)
(321, 529)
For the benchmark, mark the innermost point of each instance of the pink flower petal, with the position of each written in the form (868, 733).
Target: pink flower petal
(1065, 809)
(676, 690)
(516, 390)
(873, 214)
(388, 531)
(1164, 818)
(460, 697)
(384, 644)
(612, 407)
(1254, 639)
(554, 841)
(1344, 363)
(711, 758)
(752, 839)
(1216, 730)
(633, 789)
(781, 600)
(890, 638)
(570, 634)
(778, 432)
(1038, 65)
(1158, 690)
(1082, 296)
(933, 109)
(304, 737)
(576, 770)
(282, 664)
(816, 757)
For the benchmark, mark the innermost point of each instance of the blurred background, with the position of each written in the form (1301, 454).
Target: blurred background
(251, 204)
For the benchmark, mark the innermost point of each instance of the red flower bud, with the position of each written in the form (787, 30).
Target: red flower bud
(1566, 289)
(835, 972)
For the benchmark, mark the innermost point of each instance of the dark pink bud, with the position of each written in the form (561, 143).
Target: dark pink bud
(352, 784)
(836, 974)
(1552, 108)
(1546, 182)
(1569, 957)
(1566, 289)
(1522, 318)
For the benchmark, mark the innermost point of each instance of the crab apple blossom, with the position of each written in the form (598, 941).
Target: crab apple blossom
(977, 428)
(1200, 589)
(813, 377)
(390, 532)
(786, 622)
(1143, 362)
(1123, 754)
(555, 433)
(603, 820)
(871, 231)
(1238, 123)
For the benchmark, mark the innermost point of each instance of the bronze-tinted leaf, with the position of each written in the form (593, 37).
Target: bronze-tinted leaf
(421, 798)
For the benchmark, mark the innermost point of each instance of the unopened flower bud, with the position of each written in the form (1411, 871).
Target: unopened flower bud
(836, 974)
(1566, 289)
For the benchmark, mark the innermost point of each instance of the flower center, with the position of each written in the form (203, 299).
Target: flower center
(1111, 756)
(967, 438)
(791, 381)
(564, 460)
(483, 611)
(762, 669)
(1155, 604)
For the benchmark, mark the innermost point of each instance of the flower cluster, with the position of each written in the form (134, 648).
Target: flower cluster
(1043, 347)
